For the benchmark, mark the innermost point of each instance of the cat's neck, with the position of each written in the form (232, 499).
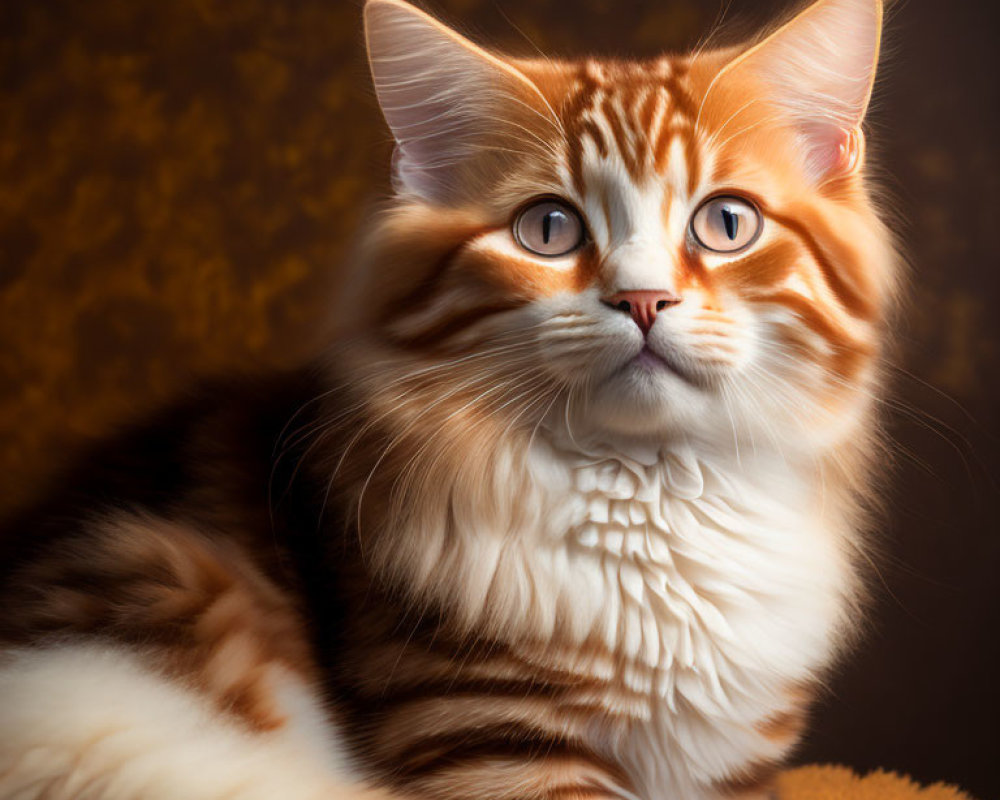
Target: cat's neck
(562, 541)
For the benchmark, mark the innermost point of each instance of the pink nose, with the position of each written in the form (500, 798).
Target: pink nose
(642, 306)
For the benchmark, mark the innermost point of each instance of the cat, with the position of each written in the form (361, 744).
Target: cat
(573, 506)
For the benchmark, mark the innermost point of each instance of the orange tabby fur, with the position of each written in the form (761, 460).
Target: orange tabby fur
(368, 566)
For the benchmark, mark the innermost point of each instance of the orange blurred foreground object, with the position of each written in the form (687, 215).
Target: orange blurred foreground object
(840, 783)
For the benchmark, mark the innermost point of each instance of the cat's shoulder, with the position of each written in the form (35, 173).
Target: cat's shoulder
(225, 442)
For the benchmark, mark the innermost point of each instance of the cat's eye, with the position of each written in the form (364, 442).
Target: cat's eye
(549, 228)
(726, 224)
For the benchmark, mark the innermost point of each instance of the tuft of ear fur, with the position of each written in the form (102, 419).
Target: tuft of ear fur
(819, 68)
(450, 104)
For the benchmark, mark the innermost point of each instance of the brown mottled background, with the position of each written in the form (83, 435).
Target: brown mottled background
(179, 178)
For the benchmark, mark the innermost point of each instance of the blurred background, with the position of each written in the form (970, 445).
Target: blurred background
(179, 180)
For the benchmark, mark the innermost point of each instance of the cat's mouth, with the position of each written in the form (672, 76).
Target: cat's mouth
(650, 361)
(648, 358)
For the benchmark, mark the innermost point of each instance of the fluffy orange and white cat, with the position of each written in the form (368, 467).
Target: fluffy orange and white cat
(571, 508)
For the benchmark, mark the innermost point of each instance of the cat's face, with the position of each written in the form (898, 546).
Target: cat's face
(679, 246)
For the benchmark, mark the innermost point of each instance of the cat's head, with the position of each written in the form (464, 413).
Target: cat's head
(684, 246)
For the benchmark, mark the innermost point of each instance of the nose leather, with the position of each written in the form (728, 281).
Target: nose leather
(642, 306)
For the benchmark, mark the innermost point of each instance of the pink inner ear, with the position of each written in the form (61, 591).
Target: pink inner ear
(835, 151)
(848, 156)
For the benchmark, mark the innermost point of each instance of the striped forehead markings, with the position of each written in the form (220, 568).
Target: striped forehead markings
(641, 108)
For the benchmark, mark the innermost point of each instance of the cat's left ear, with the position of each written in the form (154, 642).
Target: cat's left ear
(819, 68)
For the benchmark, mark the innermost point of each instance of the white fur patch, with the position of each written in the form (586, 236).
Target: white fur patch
(90, 721)
(716, 582)
(716, 578)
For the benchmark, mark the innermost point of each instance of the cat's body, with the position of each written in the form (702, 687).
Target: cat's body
(614, 537)
(507, 542)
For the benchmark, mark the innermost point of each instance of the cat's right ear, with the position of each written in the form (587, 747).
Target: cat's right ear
(454, 109)
(818, 68)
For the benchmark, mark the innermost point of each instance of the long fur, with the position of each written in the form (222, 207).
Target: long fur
(509, 538)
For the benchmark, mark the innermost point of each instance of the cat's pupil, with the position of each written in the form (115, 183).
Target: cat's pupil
(552, 224)
(732, 223)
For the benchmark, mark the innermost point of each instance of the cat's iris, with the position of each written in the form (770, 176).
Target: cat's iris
(549, 228)
(726, 224)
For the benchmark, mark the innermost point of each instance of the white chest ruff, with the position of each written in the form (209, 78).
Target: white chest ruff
(717, 586)
(699, 590)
